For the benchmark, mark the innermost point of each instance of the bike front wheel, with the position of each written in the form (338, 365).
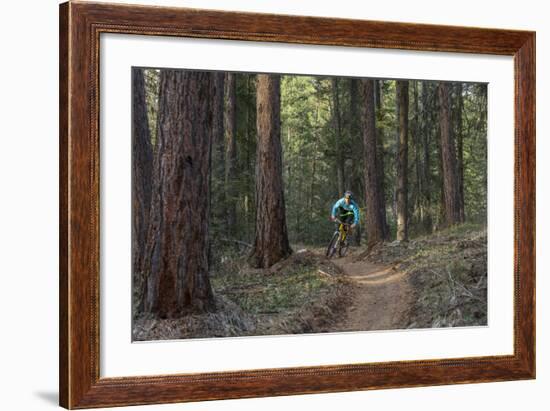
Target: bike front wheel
(331, 249)
(342, 251)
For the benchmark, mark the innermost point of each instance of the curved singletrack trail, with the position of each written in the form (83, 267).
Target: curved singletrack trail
(381, 297)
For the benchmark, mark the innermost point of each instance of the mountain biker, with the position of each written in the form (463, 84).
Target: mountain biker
(346, 210)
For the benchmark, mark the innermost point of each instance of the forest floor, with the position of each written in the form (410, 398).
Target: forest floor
(447, 273)
(438, 280)
(381, 297)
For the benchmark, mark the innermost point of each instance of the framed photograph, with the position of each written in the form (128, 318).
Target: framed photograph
(258, 205)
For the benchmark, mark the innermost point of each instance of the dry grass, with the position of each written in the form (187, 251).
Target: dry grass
(227, 321)
(306, 293)
(302, 294)
(448, 272)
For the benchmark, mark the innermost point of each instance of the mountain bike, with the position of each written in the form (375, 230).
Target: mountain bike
(339, 240)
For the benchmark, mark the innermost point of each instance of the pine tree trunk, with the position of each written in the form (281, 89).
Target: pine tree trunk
(378, 94)
(218, 143)
(402, 88)
(354, 123)
(417, 195)
(448, 158)
(178, 282)
(425, 131)
(250, 149)
(339, 146)
(217, 160)
(460, 150)
(374, 219)
(380, 153)
(142, 173)
(443, 208)
(230, 120)
(271, 239)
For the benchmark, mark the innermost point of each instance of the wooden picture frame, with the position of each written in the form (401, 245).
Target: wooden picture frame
(80, 27)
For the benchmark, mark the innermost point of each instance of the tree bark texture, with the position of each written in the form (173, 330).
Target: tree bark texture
(230, 120)
(354, 124)
(427, 104)
(178, 282)
(402, 160)
(339, 143)
(218, 141)
(217, 163)
(460, 150)
(448, 158)
(378, 94)
(271, 239)
(417, 144)
(142, 173)
(380, 155)
(249, 160)
(375, 224)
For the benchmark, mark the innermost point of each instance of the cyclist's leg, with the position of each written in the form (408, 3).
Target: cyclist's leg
(348, 219)
(338, 225)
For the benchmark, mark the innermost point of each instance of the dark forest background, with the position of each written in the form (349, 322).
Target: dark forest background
(225, 161)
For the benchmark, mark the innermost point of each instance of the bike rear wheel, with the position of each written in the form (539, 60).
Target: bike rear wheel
(331, 249)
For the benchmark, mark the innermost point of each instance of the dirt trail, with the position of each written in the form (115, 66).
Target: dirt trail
(381, 296)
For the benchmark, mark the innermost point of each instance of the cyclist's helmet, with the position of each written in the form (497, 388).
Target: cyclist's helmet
(348, 194)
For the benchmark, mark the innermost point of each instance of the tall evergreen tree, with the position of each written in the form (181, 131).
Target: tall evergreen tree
(356, 140)
(271, 239)
(460, 149)
(426, 118)
(339, 146)
(217, 163)
(178, 281)
(142, 168)
(448, 158)
(380, 154)
(218, 143)
(230, 122)
(375, 221)
(402, 89)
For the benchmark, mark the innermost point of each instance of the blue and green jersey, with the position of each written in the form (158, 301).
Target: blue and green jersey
(352, 207)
